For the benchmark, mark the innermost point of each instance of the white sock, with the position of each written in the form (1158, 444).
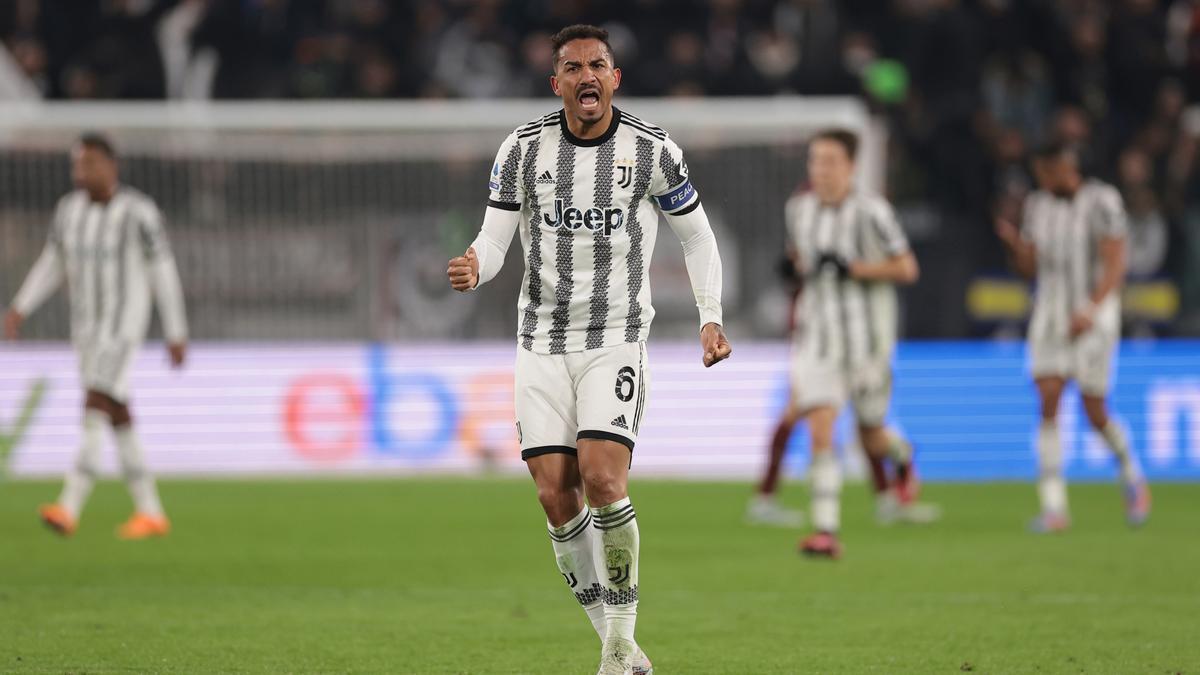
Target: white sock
(616, 524)
(1052, 488)
(898, 449)
(1114, 437)
(825, 476)
(137, 478)
(79, 480)
(575, 550)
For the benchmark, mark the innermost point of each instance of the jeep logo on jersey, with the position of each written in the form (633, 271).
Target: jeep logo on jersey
(593, 218)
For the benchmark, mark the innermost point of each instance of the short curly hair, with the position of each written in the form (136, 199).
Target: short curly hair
(579, 31)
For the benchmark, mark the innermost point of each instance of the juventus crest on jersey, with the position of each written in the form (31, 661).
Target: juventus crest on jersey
(588, 226)
(112, 255)
(1066, 233)
(844, 320)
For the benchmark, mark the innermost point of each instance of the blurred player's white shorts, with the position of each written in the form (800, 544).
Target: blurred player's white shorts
(1087, 360)
(597, 393)
(823, 383)
(104, 366)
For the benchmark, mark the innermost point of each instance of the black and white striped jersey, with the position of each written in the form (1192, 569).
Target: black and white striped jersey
(843, 320)
(113, 257)
(588, 223)
(1066, 233)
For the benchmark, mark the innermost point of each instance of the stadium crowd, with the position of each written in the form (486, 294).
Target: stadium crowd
(968, 87)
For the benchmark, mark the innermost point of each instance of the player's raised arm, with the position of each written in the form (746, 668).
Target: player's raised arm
(164, 280)
(680, 203)
(44, 278)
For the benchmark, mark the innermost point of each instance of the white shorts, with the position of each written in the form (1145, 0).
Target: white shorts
(1087, 360)
(823, 383)
(104, 367)
(597, 393)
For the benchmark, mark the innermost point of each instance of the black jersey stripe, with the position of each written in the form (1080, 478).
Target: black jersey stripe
(536, 130)
(538, 123)
(564, 250)
(508, 175)
(533, 264)
(637, 127)
(507, 206)
(644, 126)
(601, 247)
(644, 165)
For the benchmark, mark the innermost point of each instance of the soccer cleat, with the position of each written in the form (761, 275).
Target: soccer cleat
(56, 518)
(641, 664)
(616, 657)
(821, 545)
(144, 526)
(1137, 502)
(764, 510)
(1049, 523)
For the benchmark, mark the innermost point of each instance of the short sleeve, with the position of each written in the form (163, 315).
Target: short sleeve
(1108, 219)
(504, 185)
(884, 225)
(670, 187)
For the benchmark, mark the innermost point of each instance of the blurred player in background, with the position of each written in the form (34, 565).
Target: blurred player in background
(1072, 243)
(107, 242)
(895, 495)
(584, 186)
(850, 253)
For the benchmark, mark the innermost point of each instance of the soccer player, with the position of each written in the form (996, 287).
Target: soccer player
(107, 242)
(895, 496)
(850, 252)
(1072, 243)
(584, 186)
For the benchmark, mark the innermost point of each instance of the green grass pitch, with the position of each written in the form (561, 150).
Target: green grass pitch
(457, 576)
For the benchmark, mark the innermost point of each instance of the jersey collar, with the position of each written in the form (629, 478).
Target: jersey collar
(589, 142)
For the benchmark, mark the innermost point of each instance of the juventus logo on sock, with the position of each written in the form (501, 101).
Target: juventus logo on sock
(618, 575)
(571, 580)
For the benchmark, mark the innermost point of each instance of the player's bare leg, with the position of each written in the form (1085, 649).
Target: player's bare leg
(764, 509)
(1052, 487)
(825, 476)
(560, 491)
(1135, 490)
(894, 503)
(604, 467)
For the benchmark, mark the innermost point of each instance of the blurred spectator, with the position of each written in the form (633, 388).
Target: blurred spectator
(1148, 234)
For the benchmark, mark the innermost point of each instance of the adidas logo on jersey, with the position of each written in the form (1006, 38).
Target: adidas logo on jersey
(545, 178)
(620, 423)
(593, 219)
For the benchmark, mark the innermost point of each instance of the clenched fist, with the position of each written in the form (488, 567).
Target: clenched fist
(464, 271)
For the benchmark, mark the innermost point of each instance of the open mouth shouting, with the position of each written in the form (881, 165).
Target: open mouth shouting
(589, 99)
